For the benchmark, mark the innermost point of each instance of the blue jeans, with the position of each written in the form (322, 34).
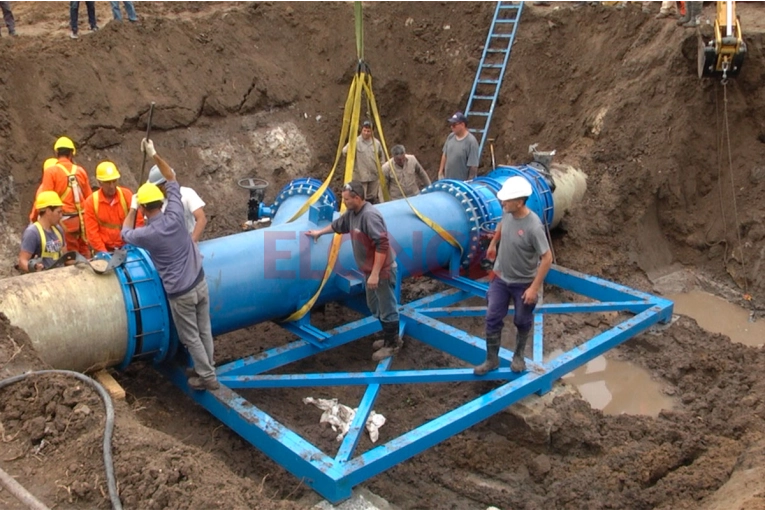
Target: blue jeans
(382, 300)
(129, 9)
(74, 15)
(8, 17)
(499, 295)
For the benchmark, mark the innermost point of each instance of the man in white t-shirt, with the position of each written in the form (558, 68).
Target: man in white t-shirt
(193, 205)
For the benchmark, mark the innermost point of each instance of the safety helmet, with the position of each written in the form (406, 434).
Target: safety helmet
(156, 177)
(148, 193)
(107, 171)
(49, 162)
(48, 199)
(515, 187)
(65, 143)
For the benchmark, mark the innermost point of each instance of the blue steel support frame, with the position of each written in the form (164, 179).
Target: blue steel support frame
(335, 477)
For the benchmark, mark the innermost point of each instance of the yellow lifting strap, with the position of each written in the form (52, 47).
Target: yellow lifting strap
(95, 209)
(362, 83)
(350, 125)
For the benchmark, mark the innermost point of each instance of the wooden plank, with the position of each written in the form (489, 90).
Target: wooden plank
(112, 386)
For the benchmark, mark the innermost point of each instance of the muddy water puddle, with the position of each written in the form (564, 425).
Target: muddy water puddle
(720, 316)
(619, 387)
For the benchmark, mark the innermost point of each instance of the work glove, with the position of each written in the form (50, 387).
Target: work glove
(134, 203)
(147, 146)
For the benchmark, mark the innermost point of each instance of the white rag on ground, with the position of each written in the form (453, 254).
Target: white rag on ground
(340, 417)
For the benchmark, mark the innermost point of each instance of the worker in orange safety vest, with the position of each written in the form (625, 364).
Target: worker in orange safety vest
(33, 213)
(105, 210)
(71, 183)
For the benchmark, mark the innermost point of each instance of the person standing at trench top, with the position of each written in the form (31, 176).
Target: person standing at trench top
(179, 265)
(521, 265)
(368, 152)
(459, 158)
(408, 173)
(375, 258)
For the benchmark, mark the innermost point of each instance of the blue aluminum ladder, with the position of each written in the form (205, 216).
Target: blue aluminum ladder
(491, 70)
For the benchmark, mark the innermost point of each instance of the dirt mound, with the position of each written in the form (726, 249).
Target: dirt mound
(256, 89)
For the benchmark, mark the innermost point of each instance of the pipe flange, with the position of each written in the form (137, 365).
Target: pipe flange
(543, 194)
(475, 207)
(304, 186)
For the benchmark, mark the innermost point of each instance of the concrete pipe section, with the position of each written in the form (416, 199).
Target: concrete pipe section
(79, 320)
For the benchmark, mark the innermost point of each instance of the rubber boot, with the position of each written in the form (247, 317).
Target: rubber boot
(492, 354)
(392, 343)
(685, 17)
(694, 8)
(519, 361)
(379, 344)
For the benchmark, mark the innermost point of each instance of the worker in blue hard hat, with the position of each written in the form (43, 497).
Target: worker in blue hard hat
(521, 264)
(193, 205)
(179, 264)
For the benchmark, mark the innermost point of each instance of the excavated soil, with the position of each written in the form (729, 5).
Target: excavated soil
(256, 89)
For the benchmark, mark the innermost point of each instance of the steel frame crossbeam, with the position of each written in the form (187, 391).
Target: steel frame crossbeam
(335, 477)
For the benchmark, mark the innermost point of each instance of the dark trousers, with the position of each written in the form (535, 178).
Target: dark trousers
(499, 296)
(74, 14)
(8, 17)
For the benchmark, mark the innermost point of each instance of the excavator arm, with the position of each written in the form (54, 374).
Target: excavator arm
(722, 51)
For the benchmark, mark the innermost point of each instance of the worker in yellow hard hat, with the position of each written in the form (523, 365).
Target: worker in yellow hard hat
(179, 264)
(42, 243)
(33, 213)
(105, 210)
(71, 183)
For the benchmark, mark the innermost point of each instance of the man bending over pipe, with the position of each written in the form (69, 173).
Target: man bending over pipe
(369, 235)
(179, 264)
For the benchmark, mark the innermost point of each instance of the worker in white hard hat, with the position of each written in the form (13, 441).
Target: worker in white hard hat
(520, 264)
(193, 205)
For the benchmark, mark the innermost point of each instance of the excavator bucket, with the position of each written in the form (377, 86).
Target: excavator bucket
(721, 48)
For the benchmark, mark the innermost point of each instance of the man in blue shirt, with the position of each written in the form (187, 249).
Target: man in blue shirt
(179, 265)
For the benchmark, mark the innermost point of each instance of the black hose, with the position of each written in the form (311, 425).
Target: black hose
(108, 427)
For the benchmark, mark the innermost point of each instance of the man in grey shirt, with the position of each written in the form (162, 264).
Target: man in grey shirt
(374, 257)
(368, 153)
(179, 265)
(520, 268)
(460, 154)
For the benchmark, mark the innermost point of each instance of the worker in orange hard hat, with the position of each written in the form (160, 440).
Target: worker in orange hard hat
(42, 243)
(106, 209)
(71, 183)
(33, 213)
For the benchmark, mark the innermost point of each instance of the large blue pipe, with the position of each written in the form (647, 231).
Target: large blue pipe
(268, 274)
(264, 274)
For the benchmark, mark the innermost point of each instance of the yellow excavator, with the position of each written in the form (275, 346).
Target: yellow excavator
(722, 52)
